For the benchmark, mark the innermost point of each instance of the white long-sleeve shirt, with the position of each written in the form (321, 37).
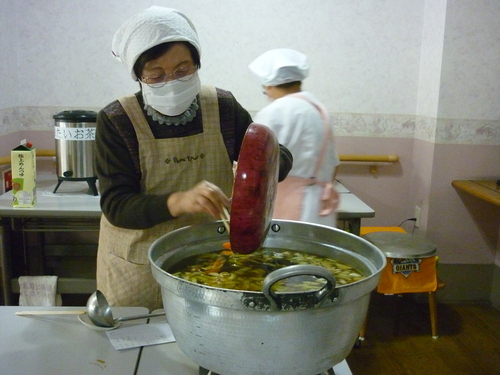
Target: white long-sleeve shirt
(298, 125)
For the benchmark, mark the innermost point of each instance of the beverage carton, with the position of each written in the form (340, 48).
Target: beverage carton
(23, 163)
(5, 178)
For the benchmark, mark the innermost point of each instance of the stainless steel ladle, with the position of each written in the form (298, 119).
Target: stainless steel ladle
(100, 314)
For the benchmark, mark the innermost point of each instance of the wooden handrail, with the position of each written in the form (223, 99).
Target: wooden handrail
(370, 158)
(355, 157)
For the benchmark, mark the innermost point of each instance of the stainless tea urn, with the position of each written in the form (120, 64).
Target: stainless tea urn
(75, 146)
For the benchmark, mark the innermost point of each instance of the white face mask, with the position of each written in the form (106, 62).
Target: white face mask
(174, 98)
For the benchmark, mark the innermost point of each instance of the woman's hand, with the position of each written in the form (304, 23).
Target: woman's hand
(329, 200)
(203, 197)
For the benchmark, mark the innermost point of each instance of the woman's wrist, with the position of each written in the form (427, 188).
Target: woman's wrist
(174, 204)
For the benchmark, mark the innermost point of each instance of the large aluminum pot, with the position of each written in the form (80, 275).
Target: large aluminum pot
(240, 332)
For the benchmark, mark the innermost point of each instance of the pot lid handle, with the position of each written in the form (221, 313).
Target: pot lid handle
(299, 270)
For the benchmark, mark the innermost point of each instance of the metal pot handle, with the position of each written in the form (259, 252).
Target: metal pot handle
(299, 270)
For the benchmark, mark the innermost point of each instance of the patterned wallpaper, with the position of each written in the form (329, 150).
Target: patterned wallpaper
(446, 131)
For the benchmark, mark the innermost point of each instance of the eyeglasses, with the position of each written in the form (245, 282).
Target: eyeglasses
(184, 73)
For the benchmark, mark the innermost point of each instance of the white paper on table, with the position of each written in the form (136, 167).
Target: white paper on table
(140, 335)
(75, 189)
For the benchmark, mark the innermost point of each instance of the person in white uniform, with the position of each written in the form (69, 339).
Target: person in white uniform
(301, 123)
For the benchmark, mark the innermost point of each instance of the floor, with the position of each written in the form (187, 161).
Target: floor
(398, 339)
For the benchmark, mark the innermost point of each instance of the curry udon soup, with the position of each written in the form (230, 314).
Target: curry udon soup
(226, 270)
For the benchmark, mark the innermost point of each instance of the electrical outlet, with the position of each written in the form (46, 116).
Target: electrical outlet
(417, 216)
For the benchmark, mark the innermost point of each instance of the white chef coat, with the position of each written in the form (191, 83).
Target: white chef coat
(298, 125)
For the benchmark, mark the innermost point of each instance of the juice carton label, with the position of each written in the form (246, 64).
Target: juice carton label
(23, 164)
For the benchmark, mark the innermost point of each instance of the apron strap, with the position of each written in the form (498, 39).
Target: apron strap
(327, 132)
(328, 190)
(209, 103)
(133, 110)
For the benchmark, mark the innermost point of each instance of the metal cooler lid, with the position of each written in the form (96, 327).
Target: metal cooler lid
(76, 116)
(401, 245)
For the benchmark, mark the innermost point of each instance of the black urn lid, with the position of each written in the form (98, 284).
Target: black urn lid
(76, 116)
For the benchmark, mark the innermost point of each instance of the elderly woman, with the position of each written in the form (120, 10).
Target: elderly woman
(163, 155)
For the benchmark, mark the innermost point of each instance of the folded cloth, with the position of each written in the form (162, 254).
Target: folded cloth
(410, 275)
(38, 291)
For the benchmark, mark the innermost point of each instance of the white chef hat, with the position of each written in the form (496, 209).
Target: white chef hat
(149, 28)
(279, 66)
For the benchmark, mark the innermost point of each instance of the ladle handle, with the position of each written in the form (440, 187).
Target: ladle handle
(50, 312)
(134, 317)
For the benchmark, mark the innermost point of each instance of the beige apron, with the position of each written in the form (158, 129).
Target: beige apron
(290, 194)
(123, 269)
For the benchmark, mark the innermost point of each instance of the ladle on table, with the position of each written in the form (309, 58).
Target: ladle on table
(100, 313)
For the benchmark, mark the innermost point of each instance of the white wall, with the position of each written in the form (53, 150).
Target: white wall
(431, 58)
(471, 61)
(364, 54)
(8, 94)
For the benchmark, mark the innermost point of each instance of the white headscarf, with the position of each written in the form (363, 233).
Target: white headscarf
(149, 28)
(279, 66)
